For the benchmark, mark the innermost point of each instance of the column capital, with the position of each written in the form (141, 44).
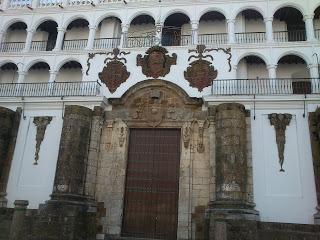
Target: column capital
(313, 65)
(308, 16)
(272, 66)
(231, 20)
(94, 27)
(52, 72)
(268, 19)
(22, 72)
(61, 29)
(31, 30)
(124, 27)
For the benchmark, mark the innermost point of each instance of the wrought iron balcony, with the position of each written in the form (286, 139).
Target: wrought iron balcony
(179, 40)
(146, 41)
(54, 89)
(267, 86)
(37, 46)
(251, 37)
(12, 46)
(106, 43)
(290, 36)
(213, 39)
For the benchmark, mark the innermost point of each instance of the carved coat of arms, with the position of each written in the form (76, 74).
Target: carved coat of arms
(157, 62)
(115, 72)
(200, 73)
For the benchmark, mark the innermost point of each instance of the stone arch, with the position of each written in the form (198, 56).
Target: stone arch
(12, 21)
(4, 62)
(75, 17)
(31, 63)
(249, 7)
(289, 4)
(107, 15)
(256, 54)
(65, 60)
(37, 23)
(137, 14)
(173, 11)
(299, 54)
(211, 9)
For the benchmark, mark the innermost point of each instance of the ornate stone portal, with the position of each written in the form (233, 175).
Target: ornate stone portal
(280, 123)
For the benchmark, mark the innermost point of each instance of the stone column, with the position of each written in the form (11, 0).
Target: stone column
(269, 29)
(9, 125)
(124, 35)
(60, 38)
(314, 126)
(194, 28)
(158, 39)
(30, 33)
(92, 32)
(272, 72)
(73, 154)
(17, 225)
(231, 33)
(314, 74)
(308, 19)
(21, 76)
(2, 35)
(53, 76)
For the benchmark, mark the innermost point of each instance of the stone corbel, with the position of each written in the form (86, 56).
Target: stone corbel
(280, 123)
(202, 124)
(41, 123)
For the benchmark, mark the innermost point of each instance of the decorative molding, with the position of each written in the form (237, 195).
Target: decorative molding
(122, 135)
(280, 123)
(91, 56)
(115, 72)
(41, 123)
(109, 126)
(156, 63)
(226, 51)
(200, 73)
(186, 134)
(202, 124)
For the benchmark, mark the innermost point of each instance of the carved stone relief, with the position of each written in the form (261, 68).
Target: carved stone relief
(41, 123)
(115, 72)
(156, 63)
(280, 123)
(200, 73)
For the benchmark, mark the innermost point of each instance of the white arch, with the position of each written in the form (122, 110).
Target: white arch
(249, 7)
(317, 5)
(211, 9)
(7, 24)
(256, 54)
(292, 52)
(4, 62)
(38, 60)
(75, 17)
(289, 4)
(65, 60)
(107, 15)
(173, 11)
(137, 14)
(37, 23)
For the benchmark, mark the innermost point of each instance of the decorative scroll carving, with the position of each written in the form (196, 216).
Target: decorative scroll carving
(201, 126)
(186, 135)
(157, 62)
(122, 135)
(115, 72)
(226, 51)
(41, 124)
(91, 56)
(280, 123)
(200, 73)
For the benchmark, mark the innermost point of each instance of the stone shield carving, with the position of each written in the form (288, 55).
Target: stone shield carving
(115, 72)
(156, 63)
(200, 73)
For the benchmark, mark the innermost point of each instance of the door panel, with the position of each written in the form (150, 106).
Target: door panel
(152, 184)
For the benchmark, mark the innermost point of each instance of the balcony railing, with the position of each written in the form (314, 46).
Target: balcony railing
(12, 46)
(317, 34)
(290, 36)
(79, 2)
(19, 3)
(37, 46)
(50, 3)
(146, 41)
(54, 89)
(105, 43)
(74, 45)
(180, 40)
(269, 86)
(213, 39)
(251, 37)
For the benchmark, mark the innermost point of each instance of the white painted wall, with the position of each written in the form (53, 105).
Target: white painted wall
(283, 196)
(37, 76)
(15, 36)
(212, 27)
(77, 33)
(109, 28)
(28, 181)
(69, 75)
(251, 71)
(292, 71)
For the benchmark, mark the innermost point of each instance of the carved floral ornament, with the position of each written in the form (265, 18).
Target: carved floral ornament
(194, 131)
(280, 123)
(157, 62)
(41, 123)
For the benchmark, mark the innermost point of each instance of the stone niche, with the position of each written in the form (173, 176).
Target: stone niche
(9, 125)
(157, 104)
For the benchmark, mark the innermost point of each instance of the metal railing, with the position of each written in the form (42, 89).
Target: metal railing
(290, 36)
(37, 46)
(79, 2)
(54, 89)
(213, 39)
(266, 86)
(146, 41)
(250, 37)
(317, 34)
(72, 45)
(105, 43)
(19, 3)
(50, 3)
(12, 46)
(180, 40)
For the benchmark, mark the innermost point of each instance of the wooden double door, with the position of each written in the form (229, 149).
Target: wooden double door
(152, 184)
